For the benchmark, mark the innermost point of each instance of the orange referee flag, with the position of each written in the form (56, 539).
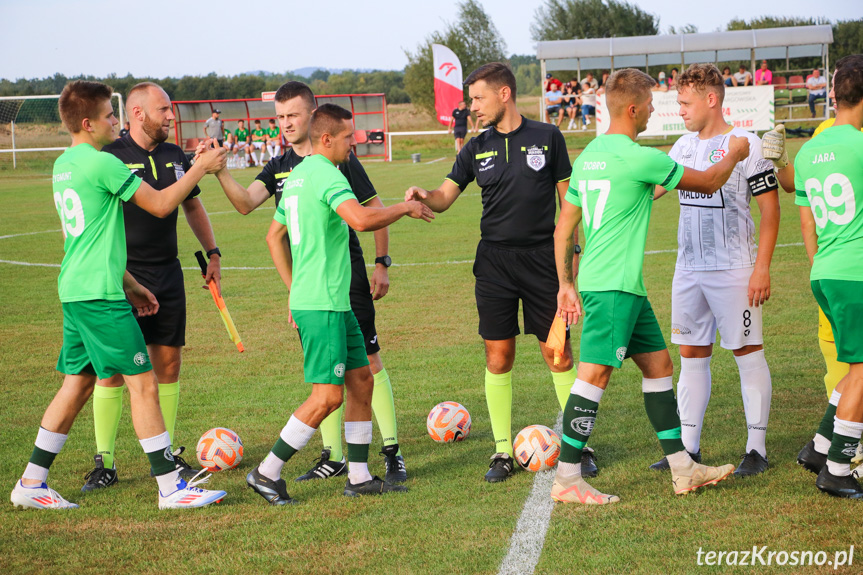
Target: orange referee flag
(557, 338)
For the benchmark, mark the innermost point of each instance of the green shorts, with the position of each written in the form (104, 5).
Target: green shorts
(617, 325)
(842, 303)
(102, 338)
(332, 344)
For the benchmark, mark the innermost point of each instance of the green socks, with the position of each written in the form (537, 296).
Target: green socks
(661, 406)
(331, 433)
(563, 386)
(107, 407)
(384, 408)
(169, 400)
(579, 416)
(498, 396)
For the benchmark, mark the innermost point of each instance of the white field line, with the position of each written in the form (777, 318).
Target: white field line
(409, 264)
(525, 546)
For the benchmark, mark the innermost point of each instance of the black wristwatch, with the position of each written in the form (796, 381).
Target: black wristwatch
(385, 260)
(576, 249)
(213, 251)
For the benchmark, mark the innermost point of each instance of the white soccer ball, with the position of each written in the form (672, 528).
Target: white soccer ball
(448, 421)
(220, 449)
(536, 448)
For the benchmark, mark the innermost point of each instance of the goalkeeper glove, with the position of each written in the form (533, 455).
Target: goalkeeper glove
(773, 147)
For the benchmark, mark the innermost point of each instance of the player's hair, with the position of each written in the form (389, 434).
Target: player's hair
(81, 99)
(496, 75)
(703, 78)
(272, 121)
(241, 121)
(257, 121)
(139, 90)
(291, 90)
(848, 80)
(626, 87)
(327, 119)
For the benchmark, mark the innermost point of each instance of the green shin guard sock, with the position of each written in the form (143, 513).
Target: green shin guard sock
(107, 408)
(169, 401)
(579, 417)
(331, 433)
(498, 396)
(661, 407)
(825, 428)
(384, 408)
(563, 386)
(282, 450)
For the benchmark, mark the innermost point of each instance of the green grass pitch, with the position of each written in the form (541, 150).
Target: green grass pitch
(451, 520)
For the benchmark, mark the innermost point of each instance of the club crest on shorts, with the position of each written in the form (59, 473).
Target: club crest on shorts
(140, 358)
(535, 158)
(621, 353)
(179, 171)
(339, 370)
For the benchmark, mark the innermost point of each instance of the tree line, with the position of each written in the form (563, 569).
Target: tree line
(472, 36)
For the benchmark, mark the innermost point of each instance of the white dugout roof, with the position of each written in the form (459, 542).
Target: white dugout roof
(685, 49)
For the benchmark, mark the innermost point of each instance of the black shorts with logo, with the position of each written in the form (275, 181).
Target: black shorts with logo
(505, 275)
(168, 326)
(363, 305)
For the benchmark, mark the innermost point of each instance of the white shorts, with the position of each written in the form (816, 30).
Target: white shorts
(229, 145)
(258, 145)
(240, 145)
(704, 301)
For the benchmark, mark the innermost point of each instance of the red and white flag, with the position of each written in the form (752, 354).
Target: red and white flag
(448, 89)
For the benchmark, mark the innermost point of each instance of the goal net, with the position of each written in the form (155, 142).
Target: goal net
(31, 133)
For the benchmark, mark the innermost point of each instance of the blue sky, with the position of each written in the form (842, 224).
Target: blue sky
(232, 36)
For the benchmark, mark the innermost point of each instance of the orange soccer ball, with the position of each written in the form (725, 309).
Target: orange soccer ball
(536, 448)
(448, 421)
(220, 449)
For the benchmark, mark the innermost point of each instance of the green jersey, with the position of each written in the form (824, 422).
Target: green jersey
(242, 135)
(318, 236)
(227, 133)
(258, 135)
(273, 133)
(612, 181)
(828, 177)
(88, 189)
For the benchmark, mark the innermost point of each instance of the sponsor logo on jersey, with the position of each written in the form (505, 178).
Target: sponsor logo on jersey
(716, 156)
(179, 171)
(374, 339)
(583, 425)
(535, 158)
(486, 165)
(678, 329)
(339, 370)
(140, 358)
(621, 353)
(292, 184)
(697, 200)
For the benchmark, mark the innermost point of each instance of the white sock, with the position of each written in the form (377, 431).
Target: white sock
(693, 395)
(271, 467)
(587, 390)
(568, 471)
(757, 390)
(296, 433)
(36, 473)
(358, 433)
(839, 469)
(679, 459)
(168, 482)
(358, 472)
(852, 429)
(822, 444)
(156, 443)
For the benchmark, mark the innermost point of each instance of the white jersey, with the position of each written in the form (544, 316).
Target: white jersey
(716, 232)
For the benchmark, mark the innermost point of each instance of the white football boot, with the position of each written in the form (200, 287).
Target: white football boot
(187, 495)
(39, 497)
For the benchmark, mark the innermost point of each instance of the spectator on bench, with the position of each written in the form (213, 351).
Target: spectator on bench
(763, 76)
(817, 86)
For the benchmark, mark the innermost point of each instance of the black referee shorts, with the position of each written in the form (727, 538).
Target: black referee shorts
(506, 275)
(460, 133)
(363, 305)
(168, 326)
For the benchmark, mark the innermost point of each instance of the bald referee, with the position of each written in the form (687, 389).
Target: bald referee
(523, 170)
(151, 247)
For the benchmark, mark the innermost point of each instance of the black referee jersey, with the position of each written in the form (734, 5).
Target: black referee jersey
(278, 169)
(151, 240)
(518, 174)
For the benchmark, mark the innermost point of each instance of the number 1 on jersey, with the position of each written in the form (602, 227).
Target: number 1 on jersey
(292, 203)
(604, 188)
